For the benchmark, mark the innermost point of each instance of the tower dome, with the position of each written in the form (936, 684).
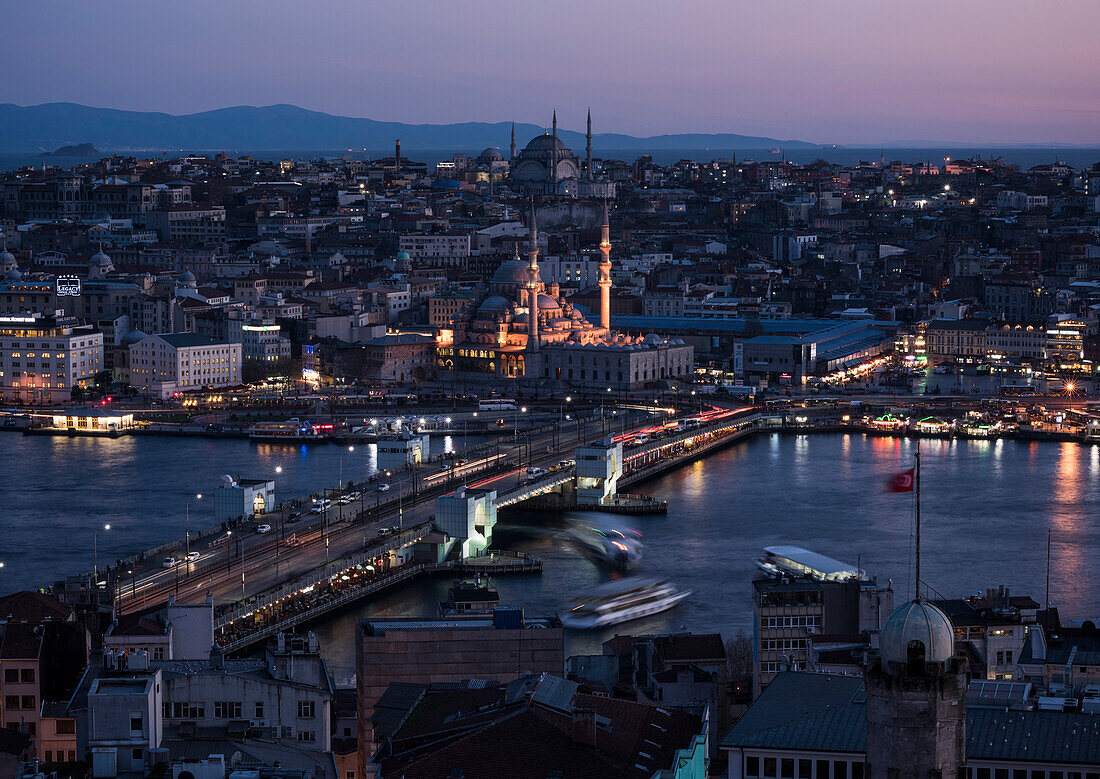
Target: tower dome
(917, 629)
(511, 272)
(7, 261)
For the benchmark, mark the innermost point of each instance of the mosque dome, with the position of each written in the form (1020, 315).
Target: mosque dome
(13, 275)
(494, 304)
(547, 303)
(402, 257)
(7, 258)
(511, 272)
(917, 622)
(100, 259)
(546, 143)
(490, 155)
(187, 278)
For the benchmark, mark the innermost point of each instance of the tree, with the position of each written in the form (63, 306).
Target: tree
(739, 656)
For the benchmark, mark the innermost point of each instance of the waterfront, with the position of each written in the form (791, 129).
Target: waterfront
(987, 508)
(57, 490)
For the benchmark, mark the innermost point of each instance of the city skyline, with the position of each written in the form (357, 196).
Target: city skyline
(859, 74)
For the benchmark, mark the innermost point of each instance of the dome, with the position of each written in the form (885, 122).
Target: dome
(133, 337)
(547, 303)
(402, 256)
(917, 621)
(490, 155)
(187, 277)
(546, 142)
(6, 257)
(101, 259)
(13, 275)
(494, 304)
(511, 272)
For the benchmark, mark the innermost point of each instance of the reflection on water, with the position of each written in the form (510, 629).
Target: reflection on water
(986, 510)
(55, 490)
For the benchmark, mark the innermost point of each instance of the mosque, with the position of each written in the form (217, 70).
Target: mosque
(546, 166)
(522, 329)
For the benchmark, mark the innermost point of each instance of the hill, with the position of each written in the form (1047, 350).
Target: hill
(287, 127)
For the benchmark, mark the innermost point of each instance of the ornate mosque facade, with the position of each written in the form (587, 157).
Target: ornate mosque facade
(546, 166)
(522, 329)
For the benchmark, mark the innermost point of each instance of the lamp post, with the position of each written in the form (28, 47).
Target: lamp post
(95, 553)
(228, 549)
(350, 449)
(187, 523)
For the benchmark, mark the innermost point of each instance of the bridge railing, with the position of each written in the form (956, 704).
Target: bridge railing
(535, 486)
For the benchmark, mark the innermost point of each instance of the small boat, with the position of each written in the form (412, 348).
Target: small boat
(612, 548)
(470, 596)
(620, 601)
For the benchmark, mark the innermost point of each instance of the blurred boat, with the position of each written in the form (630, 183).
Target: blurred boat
(620, 601)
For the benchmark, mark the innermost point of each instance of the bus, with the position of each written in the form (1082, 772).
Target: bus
(1018, 391)
(496, 404)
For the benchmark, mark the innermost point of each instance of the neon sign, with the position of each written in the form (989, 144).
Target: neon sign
(68, 286)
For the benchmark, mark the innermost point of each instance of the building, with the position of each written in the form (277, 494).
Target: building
(468, 516)
(237, 497)
(1016, 343)
(437, 249)
(443, 306)
(1065, 343)
(175, 362)
(423, 651)
(44, 356)
(956, 340)
(401, 451)
(533, 726)
(93, 420)
(42, 651)
(188, 223)
(263, 341)
(177, 631)
(807, 594)
(546, 166)
(132, 712)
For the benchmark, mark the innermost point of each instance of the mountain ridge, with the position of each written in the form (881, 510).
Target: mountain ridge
(282, 126)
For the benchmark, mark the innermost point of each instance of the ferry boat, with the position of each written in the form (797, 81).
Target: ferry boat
(291, 430)
(620, 601)
(610, 547)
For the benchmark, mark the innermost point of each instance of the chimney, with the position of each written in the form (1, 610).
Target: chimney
(217, 659)
(584, 726)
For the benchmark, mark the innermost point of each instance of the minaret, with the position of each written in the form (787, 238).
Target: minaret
(533, 287)
(554, 157)
(605, 270)
(512, 157)
(588, 148)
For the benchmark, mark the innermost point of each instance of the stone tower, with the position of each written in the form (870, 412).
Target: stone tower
(916, 698)
(532, 297)
(588, 148)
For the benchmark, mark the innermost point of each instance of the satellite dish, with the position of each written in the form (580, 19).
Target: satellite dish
(229, 481)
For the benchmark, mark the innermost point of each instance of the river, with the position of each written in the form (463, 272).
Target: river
(987, 507)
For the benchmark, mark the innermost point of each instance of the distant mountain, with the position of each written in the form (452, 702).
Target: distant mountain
(76, 150)
(287, 127)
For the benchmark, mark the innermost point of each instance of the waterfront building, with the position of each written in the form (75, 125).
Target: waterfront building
(403, 450)
(1065, 343)
(956, 340)
(423, 651)
(237, 497)
(1016, 343)
(176, 362)
(263, 341)
(468, 516)
(804, 595)
(93, 420)
(533, 726)
(44, 356)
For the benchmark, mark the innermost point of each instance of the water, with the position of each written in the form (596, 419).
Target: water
(986, 510)
(1025, 157)
(56, 491)
(987, 507)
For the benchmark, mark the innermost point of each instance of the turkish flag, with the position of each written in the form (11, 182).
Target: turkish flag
(902, 482)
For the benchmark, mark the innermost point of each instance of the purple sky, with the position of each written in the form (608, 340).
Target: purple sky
(843, 71)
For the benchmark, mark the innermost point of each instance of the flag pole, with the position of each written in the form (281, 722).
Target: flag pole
(917, 491)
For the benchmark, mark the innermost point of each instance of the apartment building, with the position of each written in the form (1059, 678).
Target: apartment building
(42, 357)
(174, 362)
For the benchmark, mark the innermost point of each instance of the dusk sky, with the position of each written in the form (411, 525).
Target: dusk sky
(841, 71)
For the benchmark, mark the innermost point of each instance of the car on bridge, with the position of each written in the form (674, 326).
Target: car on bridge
(383, 487)
(192, 556)
(263, 528)
(169, 562)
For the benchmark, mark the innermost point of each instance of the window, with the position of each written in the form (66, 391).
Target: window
(822, 769)
(66, 727)
(857, 770)
(769, 766)
(187, 710)
(11, 675)
(787, 768)
(259, 709)
(840, 769)
(805, 769)
(137, 754)
(49, 756)
(1002, 773)
(158, 653)
(752, 766)
(305, 711)
(135, 723)
(307, 735)
(11, 701)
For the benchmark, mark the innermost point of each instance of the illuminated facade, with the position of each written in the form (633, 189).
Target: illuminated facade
(172, 362)
(43, 357)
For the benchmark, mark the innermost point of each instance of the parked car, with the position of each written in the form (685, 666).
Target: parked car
(263, 528)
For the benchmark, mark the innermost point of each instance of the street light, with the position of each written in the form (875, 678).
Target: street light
(187, 524)
(95, 552)
(350, 449)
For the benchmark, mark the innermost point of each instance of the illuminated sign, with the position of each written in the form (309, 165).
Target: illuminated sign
(260, 328)
(27, 319)
(68, 286)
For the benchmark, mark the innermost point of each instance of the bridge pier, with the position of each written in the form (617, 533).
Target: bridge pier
(468, 516)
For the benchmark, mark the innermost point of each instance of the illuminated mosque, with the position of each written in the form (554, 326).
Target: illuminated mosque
(497, 333)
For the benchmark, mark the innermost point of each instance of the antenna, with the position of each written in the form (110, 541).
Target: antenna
(1047, 596)
(917, 485)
